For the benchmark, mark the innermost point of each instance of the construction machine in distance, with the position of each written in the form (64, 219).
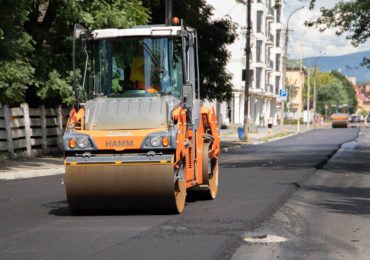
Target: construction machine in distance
(139, 137)
(339, 120)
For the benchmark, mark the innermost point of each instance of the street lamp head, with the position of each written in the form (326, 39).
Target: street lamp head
(295, 10)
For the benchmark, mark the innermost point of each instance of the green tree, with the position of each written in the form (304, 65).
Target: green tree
(214, 36)
(333, 89)
(16, 47)
(36, 42)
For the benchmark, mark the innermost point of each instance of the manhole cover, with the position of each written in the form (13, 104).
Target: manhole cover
(265, 239)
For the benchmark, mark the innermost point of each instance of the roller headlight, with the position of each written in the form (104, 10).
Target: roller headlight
(76, 142)
(165, 141)
(83, 142)
(155, 141)
(72, 143)
(160, 140)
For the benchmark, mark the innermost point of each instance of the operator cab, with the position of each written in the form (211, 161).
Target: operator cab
(137, 62)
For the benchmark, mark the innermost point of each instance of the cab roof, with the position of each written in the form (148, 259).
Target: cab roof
(149, 30)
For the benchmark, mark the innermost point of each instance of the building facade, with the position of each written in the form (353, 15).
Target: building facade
(295, 79)
(266, 62)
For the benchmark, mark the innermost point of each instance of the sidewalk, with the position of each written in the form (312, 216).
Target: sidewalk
(31, 167)
(230, 140)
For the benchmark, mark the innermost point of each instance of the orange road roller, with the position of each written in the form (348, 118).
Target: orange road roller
(339, 120)
(138, 137)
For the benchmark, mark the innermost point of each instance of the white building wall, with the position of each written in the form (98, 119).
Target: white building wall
(263, 98)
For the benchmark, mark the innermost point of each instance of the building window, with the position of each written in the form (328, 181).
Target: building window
(268, 87)
(259, 51)
(268, 58)
(277, 84)
(278, 36)
(278, 14)
(277, 62)
(268, 26)
(258, 77)
(269, 6)
(259, 21)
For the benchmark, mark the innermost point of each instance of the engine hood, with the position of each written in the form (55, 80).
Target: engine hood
(128, 113)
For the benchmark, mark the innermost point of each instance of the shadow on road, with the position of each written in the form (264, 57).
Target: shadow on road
(348, 200)
(61, 208)
(58, 208)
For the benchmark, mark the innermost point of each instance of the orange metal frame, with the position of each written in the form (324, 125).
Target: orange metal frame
(191, 151)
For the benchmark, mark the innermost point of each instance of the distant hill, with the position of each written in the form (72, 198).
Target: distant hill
(348, 65)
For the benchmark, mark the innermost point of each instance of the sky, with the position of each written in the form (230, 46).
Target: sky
(314, 43)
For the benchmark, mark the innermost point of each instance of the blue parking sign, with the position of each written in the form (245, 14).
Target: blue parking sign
(283, 92)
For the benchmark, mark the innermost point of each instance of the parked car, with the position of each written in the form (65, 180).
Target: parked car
(355, 119)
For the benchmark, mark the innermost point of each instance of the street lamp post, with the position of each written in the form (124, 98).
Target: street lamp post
(285, 63)
(308, 97)
(317, 56)
(314, 83)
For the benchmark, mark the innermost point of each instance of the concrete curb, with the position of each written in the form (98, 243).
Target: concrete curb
(31, 173)
(233, 148)
(239, 146)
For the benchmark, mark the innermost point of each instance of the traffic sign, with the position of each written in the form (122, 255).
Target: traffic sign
(283, 94)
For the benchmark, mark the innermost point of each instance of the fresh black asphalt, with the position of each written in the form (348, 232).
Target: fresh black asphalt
(35, 222)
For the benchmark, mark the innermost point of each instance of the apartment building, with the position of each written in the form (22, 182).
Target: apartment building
(266, 61)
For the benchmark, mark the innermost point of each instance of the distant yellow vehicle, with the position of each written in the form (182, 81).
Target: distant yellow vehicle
(339, 120)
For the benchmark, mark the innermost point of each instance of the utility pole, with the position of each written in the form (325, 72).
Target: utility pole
(314, 95)
(300, 90)
(285, 60)
(168, 12)
(285, 64)
(308, 96)
(314, 84)
(247, 68)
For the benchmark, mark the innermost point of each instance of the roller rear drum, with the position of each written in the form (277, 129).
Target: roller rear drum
(133, 188)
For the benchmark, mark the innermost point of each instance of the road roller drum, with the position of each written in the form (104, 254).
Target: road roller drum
(124, 188)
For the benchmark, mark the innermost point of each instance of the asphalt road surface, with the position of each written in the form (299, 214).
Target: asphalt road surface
(35, 222)
(327, 218)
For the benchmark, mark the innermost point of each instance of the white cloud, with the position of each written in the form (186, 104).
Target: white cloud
(312, 39)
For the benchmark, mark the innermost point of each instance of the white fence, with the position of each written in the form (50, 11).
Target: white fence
(295, 115)
(30, 132)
